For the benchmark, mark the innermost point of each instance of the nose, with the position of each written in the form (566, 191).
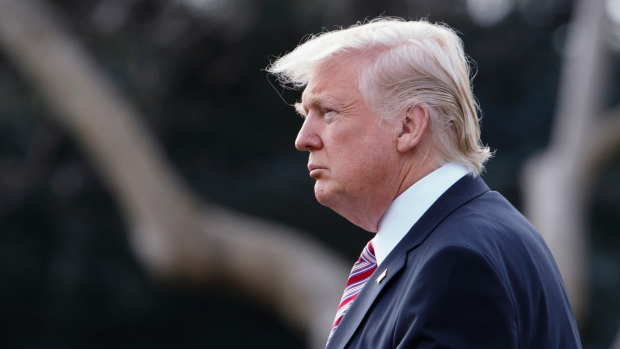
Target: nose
(307, 138)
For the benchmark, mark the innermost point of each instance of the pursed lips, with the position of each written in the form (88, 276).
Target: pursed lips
(314, 169)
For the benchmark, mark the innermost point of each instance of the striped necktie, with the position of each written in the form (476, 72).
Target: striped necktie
(361, 272)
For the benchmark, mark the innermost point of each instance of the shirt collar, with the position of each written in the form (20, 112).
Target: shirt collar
(409, 206)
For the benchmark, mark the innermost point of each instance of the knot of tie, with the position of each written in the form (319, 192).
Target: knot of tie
(361, 272)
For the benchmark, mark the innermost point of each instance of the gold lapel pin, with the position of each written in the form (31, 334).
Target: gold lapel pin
(382, 276)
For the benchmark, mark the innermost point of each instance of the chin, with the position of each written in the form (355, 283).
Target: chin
(325, 196)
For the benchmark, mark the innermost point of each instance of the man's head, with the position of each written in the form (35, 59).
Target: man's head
(385, 103)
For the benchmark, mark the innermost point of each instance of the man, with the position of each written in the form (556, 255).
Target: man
(391, 126)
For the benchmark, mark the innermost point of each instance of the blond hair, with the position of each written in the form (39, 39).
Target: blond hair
(412, 63)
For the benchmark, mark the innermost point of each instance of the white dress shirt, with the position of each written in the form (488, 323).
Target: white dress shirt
(409, 206)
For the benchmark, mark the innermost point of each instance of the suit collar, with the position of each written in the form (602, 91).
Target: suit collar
(409, 206)
(461, 192)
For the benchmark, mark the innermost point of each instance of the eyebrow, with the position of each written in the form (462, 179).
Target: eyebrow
(300, 109)
(316, 101)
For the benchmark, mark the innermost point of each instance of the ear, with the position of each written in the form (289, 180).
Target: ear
(412, 128)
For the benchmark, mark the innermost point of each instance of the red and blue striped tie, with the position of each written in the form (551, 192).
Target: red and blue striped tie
(361, 272)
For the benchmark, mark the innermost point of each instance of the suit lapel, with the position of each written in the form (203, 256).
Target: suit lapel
(461, 192)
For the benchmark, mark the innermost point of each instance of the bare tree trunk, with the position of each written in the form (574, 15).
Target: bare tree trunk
(616, 343)
(557, 183)
(175, 234)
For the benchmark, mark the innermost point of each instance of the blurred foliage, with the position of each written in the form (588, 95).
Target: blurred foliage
(67, 276)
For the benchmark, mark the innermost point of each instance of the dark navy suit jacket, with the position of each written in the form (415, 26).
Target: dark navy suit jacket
(472, 273)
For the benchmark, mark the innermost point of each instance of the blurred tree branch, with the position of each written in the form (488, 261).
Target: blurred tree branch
(175, 234)
(557, 183)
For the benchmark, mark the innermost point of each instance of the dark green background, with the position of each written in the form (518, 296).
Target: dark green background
(67, 276)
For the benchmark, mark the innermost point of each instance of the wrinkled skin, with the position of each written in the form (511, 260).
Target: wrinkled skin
(359, 166)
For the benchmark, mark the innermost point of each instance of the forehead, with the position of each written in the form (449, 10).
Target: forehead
(337, 81)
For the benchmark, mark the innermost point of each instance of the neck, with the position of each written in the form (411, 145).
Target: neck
(413, 175)
(368, 211)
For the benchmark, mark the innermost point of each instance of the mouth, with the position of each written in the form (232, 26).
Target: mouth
(315, 170)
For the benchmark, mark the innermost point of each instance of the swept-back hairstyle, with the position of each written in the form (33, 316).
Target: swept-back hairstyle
(412, 63)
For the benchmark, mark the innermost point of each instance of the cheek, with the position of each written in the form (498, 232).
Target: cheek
(367, 158)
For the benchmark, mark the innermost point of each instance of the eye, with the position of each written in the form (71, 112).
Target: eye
(329, 115)
(328, 111)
